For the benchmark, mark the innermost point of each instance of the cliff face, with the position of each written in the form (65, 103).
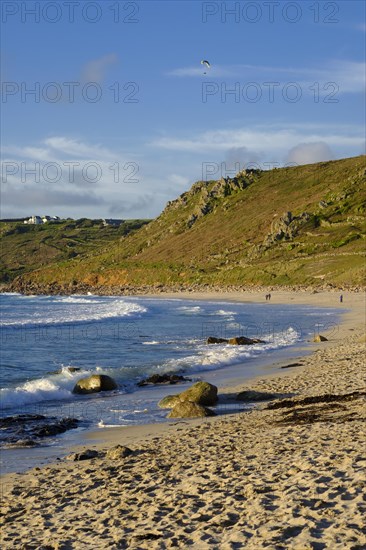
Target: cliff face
(298, 225)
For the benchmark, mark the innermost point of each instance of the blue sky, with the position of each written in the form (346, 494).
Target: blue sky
(123, 118)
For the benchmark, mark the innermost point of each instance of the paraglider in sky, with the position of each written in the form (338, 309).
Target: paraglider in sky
(206, 64)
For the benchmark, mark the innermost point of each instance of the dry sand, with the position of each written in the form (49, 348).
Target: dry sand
(283, 478)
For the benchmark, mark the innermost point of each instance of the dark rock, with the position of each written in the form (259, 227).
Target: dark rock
(214, 340)
(26, 429)
(244, 341)
(20, 419)
(187, 409)
(163, 379)
(57, 428)
(94, 384)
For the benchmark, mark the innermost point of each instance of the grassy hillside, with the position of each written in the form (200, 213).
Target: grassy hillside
(25, 248)
(298, 225)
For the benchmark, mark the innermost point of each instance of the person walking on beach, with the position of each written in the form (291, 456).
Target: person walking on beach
(341, 298)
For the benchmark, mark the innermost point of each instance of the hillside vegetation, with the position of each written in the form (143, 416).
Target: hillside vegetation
(298, 225)
(25, 248)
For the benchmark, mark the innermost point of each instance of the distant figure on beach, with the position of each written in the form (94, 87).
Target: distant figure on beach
(269, 296)
(266, 297)
(341, 298)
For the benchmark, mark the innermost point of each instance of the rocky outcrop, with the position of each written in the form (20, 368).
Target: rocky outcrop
(210, 192)
(187, 409)
(94, 384)
(201, 393)
(286, 227)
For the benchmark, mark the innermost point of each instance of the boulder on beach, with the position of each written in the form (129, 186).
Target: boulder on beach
(214, 340)
(169, 401)
(201, 393)
(187, 409)
(119, 451)
(249, 396)
(320, 338)
(244, 341)
(94, 384)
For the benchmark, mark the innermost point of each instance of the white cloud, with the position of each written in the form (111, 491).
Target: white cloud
(200, 71)
(78, 148)
(266, 139)
(308, 153)
(348, 76)
(72, 175)
(240, 156)
(177, 179)
(96, 69)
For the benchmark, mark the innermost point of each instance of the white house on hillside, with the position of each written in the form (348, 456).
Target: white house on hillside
(35, 220)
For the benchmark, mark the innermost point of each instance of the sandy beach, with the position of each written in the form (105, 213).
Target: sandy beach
(289, 474)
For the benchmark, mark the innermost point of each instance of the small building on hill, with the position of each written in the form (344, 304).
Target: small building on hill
(112, 223)
(34, 220)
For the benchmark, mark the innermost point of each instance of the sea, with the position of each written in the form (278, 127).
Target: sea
(49, 342)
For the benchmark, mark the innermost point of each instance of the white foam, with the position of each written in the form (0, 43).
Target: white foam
(224, 313)
(74, 309)
(54, 387)
(211, 357)
(33, 392)
(190, 309)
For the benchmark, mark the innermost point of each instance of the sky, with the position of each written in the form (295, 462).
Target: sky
(108, 112)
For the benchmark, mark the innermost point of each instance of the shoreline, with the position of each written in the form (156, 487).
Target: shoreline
(242, 479)
(228, 379)
(159, 289)
(354, 311)
(299, 352)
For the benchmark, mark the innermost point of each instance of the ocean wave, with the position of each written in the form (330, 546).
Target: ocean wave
(71, 310)
(211, 357)
(55, 387)
(224, 313)
(33, 392)
(190, 309)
